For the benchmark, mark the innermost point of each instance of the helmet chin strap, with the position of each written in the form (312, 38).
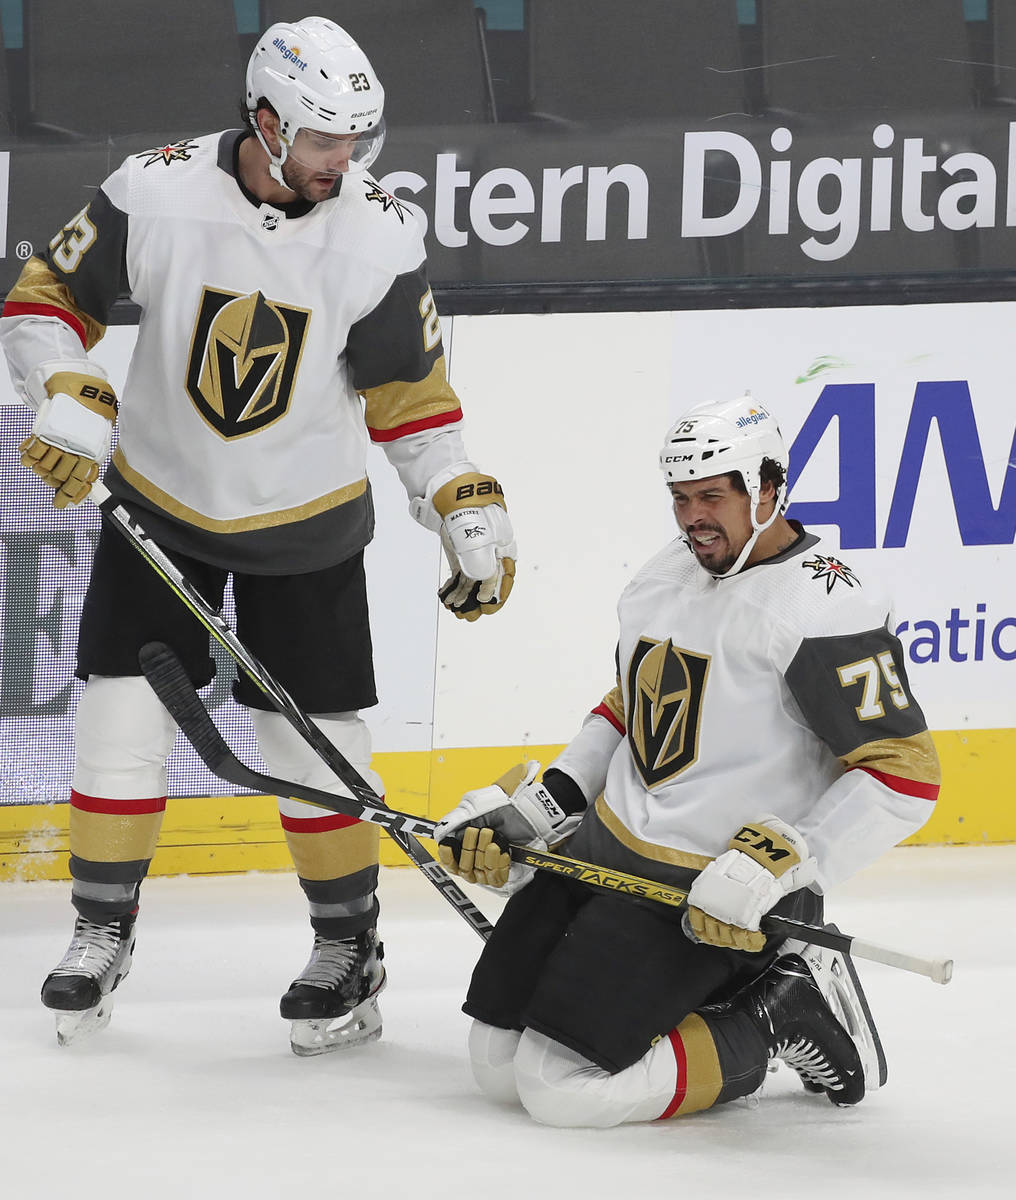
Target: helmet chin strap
(757, 529)
(275, 161)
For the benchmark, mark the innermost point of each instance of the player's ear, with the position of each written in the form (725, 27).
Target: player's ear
(268, 123)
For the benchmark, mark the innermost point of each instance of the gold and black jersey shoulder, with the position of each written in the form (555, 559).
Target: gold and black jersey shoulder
(397, 361)
(854, 693)
(80, 274)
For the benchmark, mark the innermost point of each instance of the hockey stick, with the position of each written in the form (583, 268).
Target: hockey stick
(220, 630)
(171, 684)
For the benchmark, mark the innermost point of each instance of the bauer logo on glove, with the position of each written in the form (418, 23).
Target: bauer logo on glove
(468, 510)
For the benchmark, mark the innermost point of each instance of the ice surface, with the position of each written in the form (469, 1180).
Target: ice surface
(193, 1092)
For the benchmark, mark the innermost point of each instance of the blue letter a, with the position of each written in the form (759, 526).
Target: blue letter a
(853, 404)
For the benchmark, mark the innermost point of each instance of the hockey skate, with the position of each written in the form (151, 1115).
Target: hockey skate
(812, 1011)
(333, 1002)
(80, 988)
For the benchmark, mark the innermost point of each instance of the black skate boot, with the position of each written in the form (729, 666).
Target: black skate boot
(333, 1002)
(811, 1010)
(79, 989)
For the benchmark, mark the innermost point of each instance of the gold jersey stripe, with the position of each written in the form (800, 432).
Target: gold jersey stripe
(702, 1079)
(109, 837)
(332, 853)
(398, 403)
(269, 520)
(38, 285)
(913, 757)
(663, 854)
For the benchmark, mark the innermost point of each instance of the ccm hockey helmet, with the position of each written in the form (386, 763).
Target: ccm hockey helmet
(728, 435)
(319, 81)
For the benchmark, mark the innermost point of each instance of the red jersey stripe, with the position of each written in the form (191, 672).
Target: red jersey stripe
(16, 308)
(601, 710)
(391, 435)
(906, 787)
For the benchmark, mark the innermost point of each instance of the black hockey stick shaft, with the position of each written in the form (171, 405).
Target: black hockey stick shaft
(170, 682)
(281, 700)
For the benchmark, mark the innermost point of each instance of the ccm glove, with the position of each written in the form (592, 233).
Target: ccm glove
(473, 839)
(469, 512)
(72, 432)
(766, 860)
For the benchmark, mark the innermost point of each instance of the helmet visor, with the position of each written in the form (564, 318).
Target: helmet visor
(337, 153)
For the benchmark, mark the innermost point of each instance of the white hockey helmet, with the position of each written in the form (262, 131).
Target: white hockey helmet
(319, 81)
(728, 435)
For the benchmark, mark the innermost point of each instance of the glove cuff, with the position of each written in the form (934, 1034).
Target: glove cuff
(36, 390)
(421, 508)
(771, 843)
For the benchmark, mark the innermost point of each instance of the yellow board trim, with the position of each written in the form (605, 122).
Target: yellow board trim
(226, 834)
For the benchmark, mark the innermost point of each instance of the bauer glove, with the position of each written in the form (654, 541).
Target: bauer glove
(72, 431)
(473, 838)
(766, 860)
(469, 512)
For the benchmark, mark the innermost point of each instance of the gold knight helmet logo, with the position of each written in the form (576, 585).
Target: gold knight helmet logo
(245, 352)
(665, 687)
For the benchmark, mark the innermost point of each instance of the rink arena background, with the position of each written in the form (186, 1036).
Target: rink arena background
(900, 421)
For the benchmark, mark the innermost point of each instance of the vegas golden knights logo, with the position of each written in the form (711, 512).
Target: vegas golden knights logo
(665, 686)
(245, 352)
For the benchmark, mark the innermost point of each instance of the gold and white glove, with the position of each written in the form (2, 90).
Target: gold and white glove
(468, 510)
(72, 431)
(473, 839)
(766, 860)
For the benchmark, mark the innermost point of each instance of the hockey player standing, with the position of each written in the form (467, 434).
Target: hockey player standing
(285, 318)
(761, 745)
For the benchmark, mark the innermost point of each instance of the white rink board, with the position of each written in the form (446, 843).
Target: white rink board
(573, 409)
(569, 411)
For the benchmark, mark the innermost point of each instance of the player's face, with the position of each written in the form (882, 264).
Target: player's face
(716, 519)
(315, 162)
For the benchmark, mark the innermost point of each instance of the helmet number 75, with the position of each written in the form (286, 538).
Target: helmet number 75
(871, 673)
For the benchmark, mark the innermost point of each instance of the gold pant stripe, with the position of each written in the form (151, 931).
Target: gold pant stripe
(332, 853)
(108, 837)
(698, 1068)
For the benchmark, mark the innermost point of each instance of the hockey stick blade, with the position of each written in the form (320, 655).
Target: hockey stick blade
(171, 684)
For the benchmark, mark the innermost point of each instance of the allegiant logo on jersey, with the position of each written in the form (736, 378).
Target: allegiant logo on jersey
(954, 454)
(290, 53)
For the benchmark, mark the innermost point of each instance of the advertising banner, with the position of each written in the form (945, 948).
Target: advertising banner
(653, 200)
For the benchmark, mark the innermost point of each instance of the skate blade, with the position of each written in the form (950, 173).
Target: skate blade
(838, 982)
(361, 1025)
(77, 1026)
(850, 1005)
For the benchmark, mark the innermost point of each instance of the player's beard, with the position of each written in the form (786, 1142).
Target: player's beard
(715, 565)
(308, 185)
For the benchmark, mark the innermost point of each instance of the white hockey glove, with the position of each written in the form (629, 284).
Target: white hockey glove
(473, 838)
(469, 512)
(766, 861)
(72, 431)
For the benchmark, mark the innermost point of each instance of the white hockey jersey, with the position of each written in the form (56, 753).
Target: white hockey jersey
(777, 690)
(272, 342)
